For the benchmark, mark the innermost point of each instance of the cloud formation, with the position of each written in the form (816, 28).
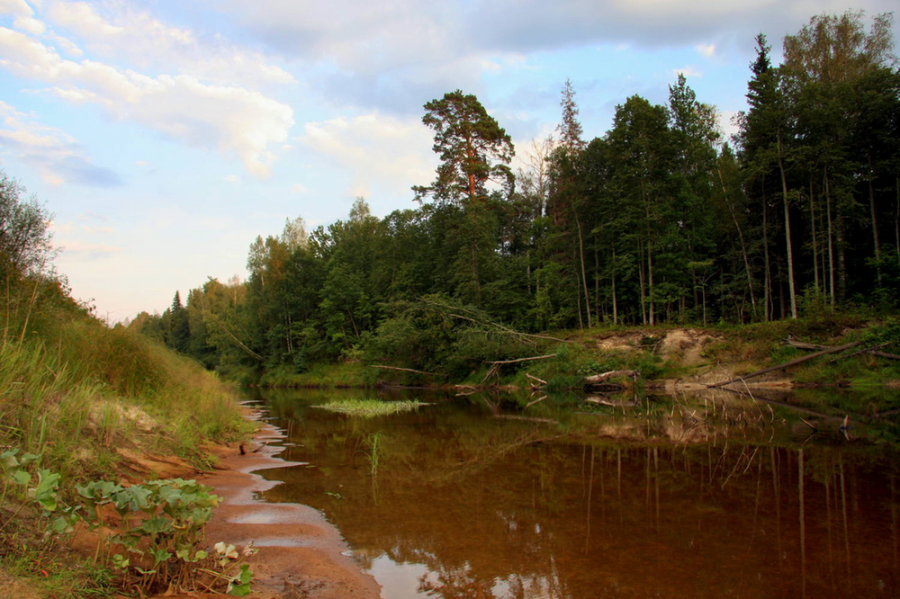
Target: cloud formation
(55, 154)
(124, 32)
(227, 117)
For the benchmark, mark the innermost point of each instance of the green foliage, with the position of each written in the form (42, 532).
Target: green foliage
(160, 526)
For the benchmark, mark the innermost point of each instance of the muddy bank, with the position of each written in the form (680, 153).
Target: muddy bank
(300, 553)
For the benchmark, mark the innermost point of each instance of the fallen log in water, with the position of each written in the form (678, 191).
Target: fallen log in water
(812, 356)
(804, 345)
(602, 378)
(382, 367)
(615, 404)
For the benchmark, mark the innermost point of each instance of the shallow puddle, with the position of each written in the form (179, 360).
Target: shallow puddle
(707, 497)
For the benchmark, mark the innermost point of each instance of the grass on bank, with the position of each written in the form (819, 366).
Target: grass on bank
(84, 397)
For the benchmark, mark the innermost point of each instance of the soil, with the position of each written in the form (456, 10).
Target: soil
(300, 554)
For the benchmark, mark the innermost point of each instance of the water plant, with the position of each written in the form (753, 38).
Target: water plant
(371, 407)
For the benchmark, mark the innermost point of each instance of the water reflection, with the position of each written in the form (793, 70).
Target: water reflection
(691, 497)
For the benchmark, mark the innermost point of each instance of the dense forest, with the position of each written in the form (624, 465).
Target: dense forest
(659, 221)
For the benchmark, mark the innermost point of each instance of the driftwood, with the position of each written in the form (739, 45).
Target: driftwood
(602, 378)
(804, 345)
(382, 367)
(830, 350)
(538, 400)
(856, 353)
(531, 359)
(615, 404)
(534, 378)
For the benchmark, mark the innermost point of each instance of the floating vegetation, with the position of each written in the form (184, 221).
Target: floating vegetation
(371, 407)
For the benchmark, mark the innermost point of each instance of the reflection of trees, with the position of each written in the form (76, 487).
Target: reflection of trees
(515, 508)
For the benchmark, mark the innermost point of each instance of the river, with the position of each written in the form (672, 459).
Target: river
(703, 496)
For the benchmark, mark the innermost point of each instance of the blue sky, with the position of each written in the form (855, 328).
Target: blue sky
(165, 136)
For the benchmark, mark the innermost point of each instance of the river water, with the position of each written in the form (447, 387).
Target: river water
(705, 496)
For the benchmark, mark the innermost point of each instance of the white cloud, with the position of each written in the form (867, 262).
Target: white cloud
(55, 154)
(389, 152)
(29, 25)
(688, 71)
(229, 118)
(122, 32)
(707, 50)
(232, 179)
(17, 8)
(73, 249)
(298, 188)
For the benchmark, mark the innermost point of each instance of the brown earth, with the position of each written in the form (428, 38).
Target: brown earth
(300, 555)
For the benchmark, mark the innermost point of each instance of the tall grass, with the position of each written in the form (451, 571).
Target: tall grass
(76, 391)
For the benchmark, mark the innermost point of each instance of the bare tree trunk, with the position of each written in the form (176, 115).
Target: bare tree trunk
(830, 239)
(787, 232)
(767, 289)
(897, 216)
(650, 282)
(815, 244)
(740, 232)
(587, 295)
(642, 286)
(615, 304)
(875, 238)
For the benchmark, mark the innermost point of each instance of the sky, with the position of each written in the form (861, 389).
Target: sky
(165, 136)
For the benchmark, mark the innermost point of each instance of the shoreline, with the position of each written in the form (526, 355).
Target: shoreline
(300, 553)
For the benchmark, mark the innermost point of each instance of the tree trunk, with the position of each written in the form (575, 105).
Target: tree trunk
(787, 232)
(875, 238)
(897, 216)
(767, 288)
(642, 285)
(587, 295)
(830, 239)
(815, 246)
(740, 232)
(615, 305)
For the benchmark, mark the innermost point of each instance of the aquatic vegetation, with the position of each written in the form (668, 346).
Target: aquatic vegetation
(371, 407)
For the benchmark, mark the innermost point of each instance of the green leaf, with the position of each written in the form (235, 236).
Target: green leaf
(240, 584)
(45, 493)
(21, 477)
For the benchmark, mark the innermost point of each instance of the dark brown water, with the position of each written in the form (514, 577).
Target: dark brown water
(477, 497)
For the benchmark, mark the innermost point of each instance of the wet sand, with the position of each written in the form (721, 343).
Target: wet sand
(300, 553)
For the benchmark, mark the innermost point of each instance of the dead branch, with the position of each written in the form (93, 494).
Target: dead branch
(538, 400)
(602, 378)
(451, 311)
(882, 354)
(383, 367)
(804, 345)
(614, 404)
(831, 350)
(856, 353)
(534, 378)
(531, 359)
(215, 320)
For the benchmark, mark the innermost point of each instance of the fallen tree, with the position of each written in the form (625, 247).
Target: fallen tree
(812, 356)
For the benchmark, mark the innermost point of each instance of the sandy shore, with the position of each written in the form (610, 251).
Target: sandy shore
(300, 553)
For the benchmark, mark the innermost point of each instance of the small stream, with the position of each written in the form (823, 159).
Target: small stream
(707, 496)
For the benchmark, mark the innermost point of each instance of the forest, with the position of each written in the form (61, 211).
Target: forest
(659, 221)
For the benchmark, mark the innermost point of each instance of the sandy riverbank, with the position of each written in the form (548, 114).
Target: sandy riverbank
(300, 553)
